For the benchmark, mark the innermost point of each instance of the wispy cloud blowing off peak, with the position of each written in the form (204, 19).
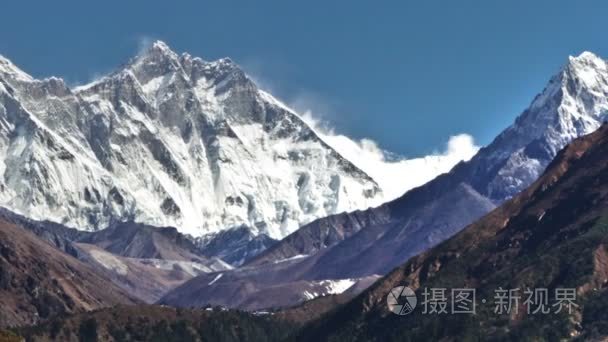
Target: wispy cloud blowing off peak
(394, 174)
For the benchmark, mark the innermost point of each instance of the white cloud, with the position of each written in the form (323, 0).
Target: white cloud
(396, 175)
(144, 43)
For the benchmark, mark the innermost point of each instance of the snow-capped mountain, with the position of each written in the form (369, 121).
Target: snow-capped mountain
(374, 241)
(574, 103)
(169, 140)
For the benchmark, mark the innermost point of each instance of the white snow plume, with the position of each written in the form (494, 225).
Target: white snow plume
(396, 174)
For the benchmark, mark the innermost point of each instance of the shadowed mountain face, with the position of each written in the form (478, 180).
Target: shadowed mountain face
(145, 261)
(321, 234)
(133, 240)
(234, 246)
(370, 251)
(125, 239)
(38, 281)
(552, 235)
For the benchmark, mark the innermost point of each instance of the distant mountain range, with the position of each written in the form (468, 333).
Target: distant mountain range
(361, 244)
(552, 235)
(177, 181)
(144, 261)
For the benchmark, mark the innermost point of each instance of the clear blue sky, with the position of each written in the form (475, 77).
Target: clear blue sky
(406, 73)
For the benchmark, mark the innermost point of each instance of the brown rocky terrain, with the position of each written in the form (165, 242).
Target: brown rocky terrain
(38, 281)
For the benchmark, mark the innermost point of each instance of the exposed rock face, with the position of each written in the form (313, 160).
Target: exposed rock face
(169, 140)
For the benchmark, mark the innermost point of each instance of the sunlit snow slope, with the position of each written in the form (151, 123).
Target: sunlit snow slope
(169, 140)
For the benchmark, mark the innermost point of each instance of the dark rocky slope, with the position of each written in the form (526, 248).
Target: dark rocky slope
(552, 235)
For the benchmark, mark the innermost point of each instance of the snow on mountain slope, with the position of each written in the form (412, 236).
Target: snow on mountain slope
(574, 103)
(169, 140)
(374, 241)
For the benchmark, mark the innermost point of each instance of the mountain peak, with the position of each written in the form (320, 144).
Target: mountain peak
(586, 57)
(157, 60)
(574, 103)
(587, 66)
(159, 44)
(8, 68)
(158, 49)
(586, 75)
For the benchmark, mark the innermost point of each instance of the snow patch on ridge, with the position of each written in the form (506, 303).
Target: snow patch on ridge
(215, 279)
(328, 287)
(295, 257)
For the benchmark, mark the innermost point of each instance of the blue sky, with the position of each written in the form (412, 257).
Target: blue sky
(407, 74)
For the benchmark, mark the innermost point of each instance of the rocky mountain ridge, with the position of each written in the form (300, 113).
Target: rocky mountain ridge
(374, 241)
(168, 140)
